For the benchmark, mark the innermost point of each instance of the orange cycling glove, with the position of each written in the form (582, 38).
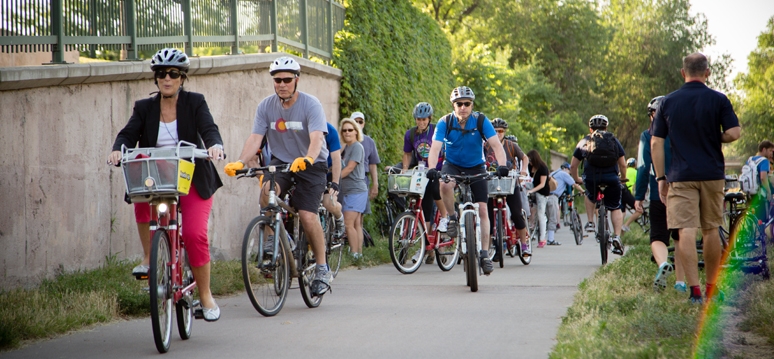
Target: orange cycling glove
(232, 167)
(299, 164)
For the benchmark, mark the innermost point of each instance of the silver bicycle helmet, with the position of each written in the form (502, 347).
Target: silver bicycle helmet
(631, 162)
(598, 122)
(512, 138)
(170, 57)
(499, 123)
(285, 64)
(462, 92)
(423, 110)
(654, 104)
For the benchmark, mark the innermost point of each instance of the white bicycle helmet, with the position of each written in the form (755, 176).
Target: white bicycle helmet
(462, 92)
(654, 104)
(170, 57)
(598, 122)
(285, 64)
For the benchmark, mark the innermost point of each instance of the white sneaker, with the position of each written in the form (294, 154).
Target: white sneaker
(443, 224)
(417, 257)
(625, 228)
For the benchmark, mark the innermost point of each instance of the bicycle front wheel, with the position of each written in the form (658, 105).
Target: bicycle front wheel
(472, 258)
(160, 285)
(602, 233)
(306, 264)
(266, 283)
(184, 307)
(499, 235)
(577, 228)
(407, 243)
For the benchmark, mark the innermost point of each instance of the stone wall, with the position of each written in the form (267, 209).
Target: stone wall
(62, 206)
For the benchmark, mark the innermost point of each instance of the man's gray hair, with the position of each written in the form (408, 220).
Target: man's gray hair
(695, 64)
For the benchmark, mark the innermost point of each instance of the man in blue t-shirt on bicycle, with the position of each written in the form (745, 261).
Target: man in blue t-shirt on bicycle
(463, 132)
(603, 156)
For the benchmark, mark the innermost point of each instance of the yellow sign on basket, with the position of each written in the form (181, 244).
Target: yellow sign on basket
(185, 172)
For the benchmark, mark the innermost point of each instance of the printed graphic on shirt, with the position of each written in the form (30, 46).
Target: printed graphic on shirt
(423, 150)
(283, 126)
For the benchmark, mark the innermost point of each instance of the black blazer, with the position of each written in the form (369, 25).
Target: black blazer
(194, 124)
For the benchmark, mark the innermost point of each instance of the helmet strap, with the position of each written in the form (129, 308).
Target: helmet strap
(283, 100)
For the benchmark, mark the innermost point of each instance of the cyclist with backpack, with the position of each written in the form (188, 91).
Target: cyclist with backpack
(513, 154)
(603, 156)
(416, 148)
(755, 177)
(464, 140)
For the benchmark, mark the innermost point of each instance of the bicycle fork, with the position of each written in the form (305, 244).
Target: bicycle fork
(463, 229)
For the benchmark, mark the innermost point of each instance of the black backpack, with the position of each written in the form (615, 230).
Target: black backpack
(602, 149)
(479, 126)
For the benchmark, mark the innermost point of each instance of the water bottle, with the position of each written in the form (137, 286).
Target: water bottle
(421, 166)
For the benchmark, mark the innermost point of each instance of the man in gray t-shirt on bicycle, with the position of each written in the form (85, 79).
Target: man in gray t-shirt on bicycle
(294, 124)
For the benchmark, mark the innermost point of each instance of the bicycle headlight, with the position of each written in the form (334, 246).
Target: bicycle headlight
(162, 208)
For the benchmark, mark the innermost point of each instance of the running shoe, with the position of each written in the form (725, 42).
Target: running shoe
(339, 229)
(525, 250)
(618, 247)
(680, 287)
(589, 227)
(625, 228)
(452, 228)
(664, 270)
(140, 270)
(486, 263)
(430, 258)
(322, 281)
(443, 224)
(417, 257)
(554, 243)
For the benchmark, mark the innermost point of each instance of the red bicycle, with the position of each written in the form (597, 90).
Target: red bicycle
(158, 176)
(506, 238)
(409, 236)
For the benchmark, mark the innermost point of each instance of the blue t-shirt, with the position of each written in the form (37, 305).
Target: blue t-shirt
(464, 150)
(588, 170)
(695, 117)
(763, 167)
(420, 149)
(646, 174)
(332, 142)
(563, 182)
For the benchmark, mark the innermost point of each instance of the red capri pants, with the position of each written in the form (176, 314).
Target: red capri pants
(195, 213)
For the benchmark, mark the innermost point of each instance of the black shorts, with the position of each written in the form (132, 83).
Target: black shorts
(627, 199)
(612, 191)
(479, 187)
(658, 224)
(310, 185)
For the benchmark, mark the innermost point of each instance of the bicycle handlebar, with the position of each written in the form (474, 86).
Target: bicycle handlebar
(464, 178)
(256, 171)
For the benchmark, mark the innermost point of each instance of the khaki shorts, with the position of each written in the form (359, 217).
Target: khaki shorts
(684, 198)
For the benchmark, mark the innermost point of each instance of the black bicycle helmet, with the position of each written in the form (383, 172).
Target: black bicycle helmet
(654, 104)
(423, 110)
(499, 123)
(598, 122)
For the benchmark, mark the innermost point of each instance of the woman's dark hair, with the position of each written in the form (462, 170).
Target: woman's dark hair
(534, 159)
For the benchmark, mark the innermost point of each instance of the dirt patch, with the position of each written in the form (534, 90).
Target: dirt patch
(739, 344)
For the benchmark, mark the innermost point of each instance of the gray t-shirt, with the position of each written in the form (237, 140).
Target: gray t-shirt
(288, 130)
(353, 183)
(371, 154)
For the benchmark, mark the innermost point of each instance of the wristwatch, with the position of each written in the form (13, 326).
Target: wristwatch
(662, 178)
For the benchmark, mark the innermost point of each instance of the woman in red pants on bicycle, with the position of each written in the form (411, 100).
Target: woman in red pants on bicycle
(171, 116)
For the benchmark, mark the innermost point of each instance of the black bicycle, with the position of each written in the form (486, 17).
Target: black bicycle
(570, 216)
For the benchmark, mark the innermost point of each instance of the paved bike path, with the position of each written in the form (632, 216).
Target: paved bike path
(375, 313)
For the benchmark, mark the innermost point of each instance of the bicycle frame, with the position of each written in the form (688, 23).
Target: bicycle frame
(433, 237)
(275, 209)
(512, 236)
(168, 221)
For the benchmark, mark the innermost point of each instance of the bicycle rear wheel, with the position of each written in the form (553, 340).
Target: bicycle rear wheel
(306, 264)
(266, 283)
(448, 253)
(472, 256)
(499, 235)
(407, 242)
(160, 285)
(184, 307)
(526, 260)
(602, 233)
(577, 228)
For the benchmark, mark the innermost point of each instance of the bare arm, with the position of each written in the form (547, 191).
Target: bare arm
(316, 139)
(540, 185)
(251, 147)
(435, 150)
(524, 165)
(336, 163)
(622, 164)
(731, 135)
(350, 167)
(406, 160)
(574, 169)
(499, 152)
(657, 153)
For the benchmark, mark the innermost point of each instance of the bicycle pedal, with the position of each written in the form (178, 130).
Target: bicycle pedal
(198, 313)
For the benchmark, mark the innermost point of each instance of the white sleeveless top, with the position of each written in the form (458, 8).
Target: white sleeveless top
(168, 136)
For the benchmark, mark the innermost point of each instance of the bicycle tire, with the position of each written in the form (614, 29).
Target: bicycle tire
(470, 242)
(160, 286)
(334, 247)
(499, 236)
(367, 240)
(184, 307)
(602, 233)
(306, 263)
(447, 255)
(528, 259)
(266, 284)
(407, 241)
(577, 228)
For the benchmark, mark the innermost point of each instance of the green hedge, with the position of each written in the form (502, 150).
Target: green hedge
(391, 56)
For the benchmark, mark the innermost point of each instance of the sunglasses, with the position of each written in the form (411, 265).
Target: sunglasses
(173, 74)
(286, 80)
(360, 122)
(463, 104)
(500, 131)
(345, 130)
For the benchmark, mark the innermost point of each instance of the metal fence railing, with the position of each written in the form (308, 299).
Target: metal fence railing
(133, 29)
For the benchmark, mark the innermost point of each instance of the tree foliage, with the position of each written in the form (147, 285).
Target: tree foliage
(756, 107)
